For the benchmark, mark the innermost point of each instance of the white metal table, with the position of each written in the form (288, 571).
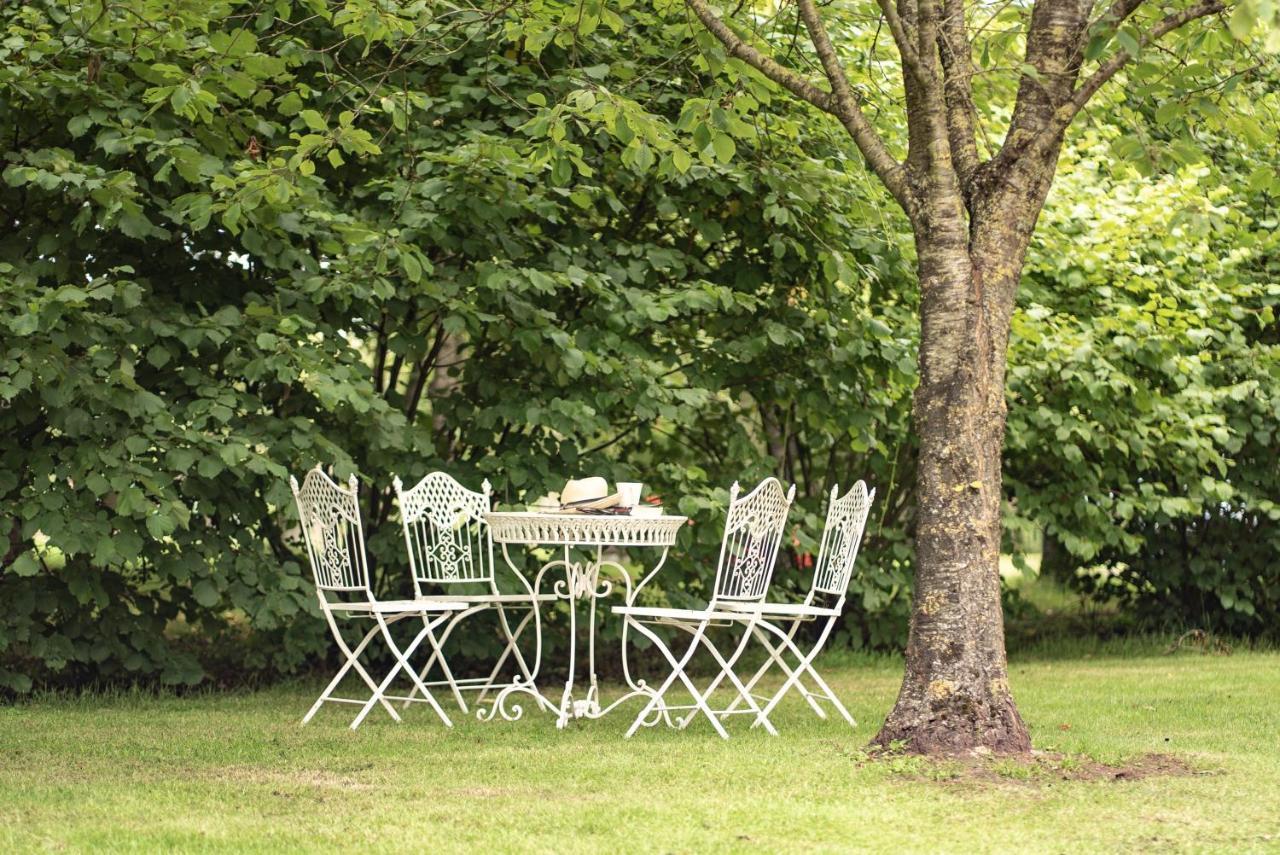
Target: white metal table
(582, 581)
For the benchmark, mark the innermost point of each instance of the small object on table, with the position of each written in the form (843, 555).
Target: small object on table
(629, 493)
(587, 494)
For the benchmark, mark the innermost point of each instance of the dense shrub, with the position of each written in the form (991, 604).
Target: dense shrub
(225, 261)
(1145, 387)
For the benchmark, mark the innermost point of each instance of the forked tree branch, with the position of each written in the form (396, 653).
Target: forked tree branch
(841, 102)
(1055, 37)
(957, 90)
(901, 37)
(931, 108)
(797, 84)
(1064, 114)
(850, 113)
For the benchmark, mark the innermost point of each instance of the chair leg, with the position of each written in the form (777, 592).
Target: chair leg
(776, 656)
(806, 666)
(511, 650)
(677, 672)
(764, 668)
(437, 652)
(511, 638)
(352, 661)
(726, 671)
(755, 678)
(438, 648)
(342, 672)
(437, 645)
(827, 691)
(402, 663)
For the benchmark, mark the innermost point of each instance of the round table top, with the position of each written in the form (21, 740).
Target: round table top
(583, 529)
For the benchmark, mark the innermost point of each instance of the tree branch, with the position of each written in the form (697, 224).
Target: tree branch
(957, 90)
(850, 113)
(1117, 13)
(906, 48)
(785, 77)
(840, 102)
(935, 133)
(1054, 50)
(424, 368)
(1064, 114)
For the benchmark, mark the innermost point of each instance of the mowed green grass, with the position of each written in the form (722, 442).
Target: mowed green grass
(236, 772)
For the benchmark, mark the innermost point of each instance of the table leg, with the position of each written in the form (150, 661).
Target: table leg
(581, 581)
(566, 699)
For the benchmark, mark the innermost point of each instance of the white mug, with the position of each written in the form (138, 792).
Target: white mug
(629, 493)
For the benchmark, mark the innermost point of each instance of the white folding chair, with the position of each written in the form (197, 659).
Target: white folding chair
(752, 534)
(780, 622)
(331, 529)
(450, 547)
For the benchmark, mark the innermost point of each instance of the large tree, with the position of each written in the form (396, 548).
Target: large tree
(973, 206)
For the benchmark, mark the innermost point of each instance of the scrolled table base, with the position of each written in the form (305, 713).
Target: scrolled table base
(582, 580)
(505, 708)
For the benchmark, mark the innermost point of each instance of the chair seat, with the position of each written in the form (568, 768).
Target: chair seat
(782, 609)
(481, 599)
(399, 606)
(650, 613)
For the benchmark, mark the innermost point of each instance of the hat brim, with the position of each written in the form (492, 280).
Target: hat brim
(598, 503)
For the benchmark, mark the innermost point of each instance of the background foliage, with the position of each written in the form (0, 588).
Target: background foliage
(537, 242)
(1146, 398)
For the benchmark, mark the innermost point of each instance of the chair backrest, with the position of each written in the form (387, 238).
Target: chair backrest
(841, 536)
(752, 534)
(330, 517)
(445, 531)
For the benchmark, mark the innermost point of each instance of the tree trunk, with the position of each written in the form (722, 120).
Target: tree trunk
(955, 695)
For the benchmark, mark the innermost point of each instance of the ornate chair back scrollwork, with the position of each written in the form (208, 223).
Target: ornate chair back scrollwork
(841, 537)
(752, 534)
(331, 529)
(445, 531)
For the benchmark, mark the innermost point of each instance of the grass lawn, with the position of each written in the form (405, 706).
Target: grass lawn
(236, 772)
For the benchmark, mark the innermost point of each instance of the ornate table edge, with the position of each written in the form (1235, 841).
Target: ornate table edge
(583, 530)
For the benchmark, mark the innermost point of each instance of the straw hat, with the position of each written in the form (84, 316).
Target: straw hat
(587, 491)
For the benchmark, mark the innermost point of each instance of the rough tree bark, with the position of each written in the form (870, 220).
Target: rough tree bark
(973, 222)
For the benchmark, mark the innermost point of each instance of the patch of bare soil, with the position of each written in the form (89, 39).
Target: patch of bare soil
(1039, 768)
(1045, 766)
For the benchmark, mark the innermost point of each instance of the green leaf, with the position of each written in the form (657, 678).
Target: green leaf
(160, 525)
(290, 104)
(205, 593)
(313, 120)
(724, 147)
(1242, 20)
(209, 466)
(26, 564)
(1127, 40)
(159, 356)
(78, 126)
(412, 267)
(1097, 45)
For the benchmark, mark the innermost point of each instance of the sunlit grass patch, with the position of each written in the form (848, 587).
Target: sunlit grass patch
(1137, 747)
